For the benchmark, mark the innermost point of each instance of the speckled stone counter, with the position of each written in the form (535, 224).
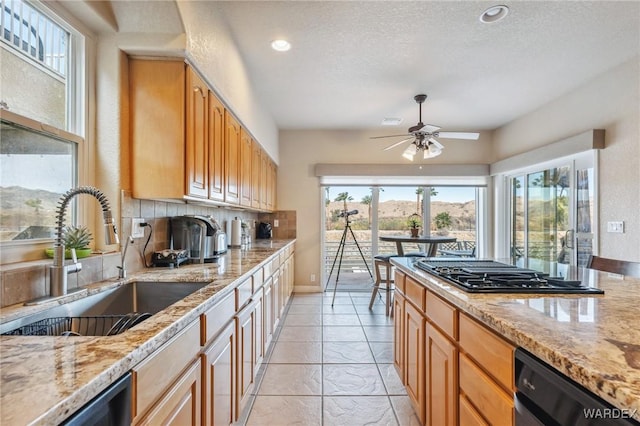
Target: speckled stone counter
(43, 380)
(593, 340)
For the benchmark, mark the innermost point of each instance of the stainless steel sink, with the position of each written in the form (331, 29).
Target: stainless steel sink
(99, 312)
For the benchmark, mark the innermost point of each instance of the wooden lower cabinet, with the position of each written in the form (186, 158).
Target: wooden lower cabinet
(441, 381)
(219, 378)
(456, 371)
(181, 404)
(245, 372)
(398, 335)
(415, 333)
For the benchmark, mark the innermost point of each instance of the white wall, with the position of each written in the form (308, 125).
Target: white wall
(213, 51)
(298, 188)
(610, 102)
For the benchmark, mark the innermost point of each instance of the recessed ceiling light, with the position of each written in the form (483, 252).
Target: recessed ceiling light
(494, 14)
(280, 45)
(391, 121)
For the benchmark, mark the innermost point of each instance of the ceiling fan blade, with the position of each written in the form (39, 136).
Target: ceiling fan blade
(459, 135)
(397, 143)
(436, 143)
(389, 136)
(430, 128)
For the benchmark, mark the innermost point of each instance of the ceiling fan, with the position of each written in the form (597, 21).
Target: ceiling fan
(423, 137)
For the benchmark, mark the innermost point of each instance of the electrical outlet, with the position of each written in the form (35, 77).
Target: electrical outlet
(276, 223)
(312, 278)
(617, 227)
(137, 231)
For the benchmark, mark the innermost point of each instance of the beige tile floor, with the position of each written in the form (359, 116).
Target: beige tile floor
(330, 366)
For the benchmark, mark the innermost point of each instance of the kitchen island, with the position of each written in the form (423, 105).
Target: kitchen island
(592, 339)
(43, 379)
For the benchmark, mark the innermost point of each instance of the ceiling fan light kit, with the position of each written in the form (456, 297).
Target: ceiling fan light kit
(423, 136)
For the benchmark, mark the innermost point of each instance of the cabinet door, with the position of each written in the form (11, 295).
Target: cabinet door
(181, 404)
(415, 359)
(274, 300)
(264, 181)
(441, 383)
(232, 145)
(272, 181)
(246, 152)
(268, 312)
(259, 345)
(216, 131)
(156, 128)
(256, 172)
(398, 335)
(245, 322)
(197, 141)
(219, 364)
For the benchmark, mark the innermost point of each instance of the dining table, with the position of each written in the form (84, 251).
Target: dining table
(431, 242)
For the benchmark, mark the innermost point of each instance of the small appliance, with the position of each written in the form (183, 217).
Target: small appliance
(169, 257)
(264, 230)
(200, 236)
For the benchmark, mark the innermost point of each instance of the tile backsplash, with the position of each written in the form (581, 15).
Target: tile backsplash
(26, 281)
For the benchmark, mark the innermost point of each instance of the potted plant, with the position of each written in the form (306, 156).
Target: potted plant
(414, 222)
(75, 237)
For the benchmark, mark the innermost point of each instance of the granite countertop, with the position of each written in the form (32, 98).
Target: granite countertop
(45, 379)
(594, 340)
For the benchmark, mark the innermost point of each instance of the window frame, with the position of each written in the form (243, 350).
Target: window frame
(80, 123)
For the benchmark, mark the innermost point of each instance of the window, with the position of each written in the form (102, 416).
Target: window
(43, 116)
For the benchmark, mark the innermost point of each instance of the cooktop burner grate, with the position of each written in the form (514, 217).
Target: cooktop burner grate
(488, 276)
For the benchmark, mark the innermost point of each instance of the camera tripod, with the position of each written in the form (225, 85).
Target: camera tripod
(340, 252)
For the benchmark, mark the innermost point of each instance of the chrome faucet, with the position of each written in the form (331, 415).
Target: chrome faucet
(122, 272)
(58, 271)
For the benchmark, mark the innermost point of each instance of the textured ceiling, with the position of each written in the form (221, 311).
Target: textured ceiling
(354, 63)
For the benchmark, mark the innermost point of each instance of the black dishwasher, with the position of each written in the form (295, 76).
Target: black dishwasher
(544, 397)
(112, 407)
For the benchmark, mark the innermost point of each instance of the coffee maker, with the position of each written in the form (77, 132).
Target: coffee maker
(200, 236)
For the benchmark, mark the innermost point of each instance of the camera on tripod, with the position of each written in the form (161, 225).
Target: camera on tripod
(347, 213)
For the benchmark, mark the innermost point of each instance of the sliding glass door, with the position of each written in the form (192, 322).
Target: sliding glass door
(552, 211)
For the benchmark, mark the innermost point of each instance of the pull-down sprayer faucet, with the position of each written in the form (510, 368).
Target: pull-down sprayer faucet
(58, 271)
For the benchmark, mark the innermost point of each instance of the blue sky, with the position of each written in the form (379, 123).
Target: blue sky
(448, 194)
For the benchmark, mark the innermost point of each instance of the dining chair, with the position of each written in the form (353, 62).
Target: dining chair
(622, 267)
(384, 281)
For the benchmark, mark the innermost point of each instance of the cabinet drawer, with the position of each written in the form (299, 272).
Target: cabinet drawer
(268, 269)
(399, 279)
(490, 352)
(468, 415)
(443, 315)
(244, 292)
(258, 279)
(154, 375)
(415, 292)
(489, 399)
(215, 318)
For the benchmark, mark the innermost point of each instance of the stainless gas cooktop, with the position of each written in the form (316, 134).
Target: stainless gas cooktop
(488, 276)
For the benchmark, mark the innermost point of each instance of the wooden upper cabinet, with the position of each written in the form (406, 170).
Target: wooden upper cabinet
(232, 144)
(157, 128)
(256, 174)
(272, 181)
(246, 152)
(264, 172)
(197, 152)
(216, 135)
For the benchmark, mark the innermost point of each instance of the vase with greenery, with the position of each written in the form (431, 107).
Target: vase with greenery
(414, 222)
(75, 237)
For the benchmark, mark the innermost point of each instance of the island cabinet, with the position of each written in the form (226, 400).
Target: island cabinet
(167, 385)
(455, 370)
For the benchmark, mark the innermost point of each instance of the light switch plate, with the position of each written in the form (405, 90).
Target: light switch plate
(617, 227)
(275, 223)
